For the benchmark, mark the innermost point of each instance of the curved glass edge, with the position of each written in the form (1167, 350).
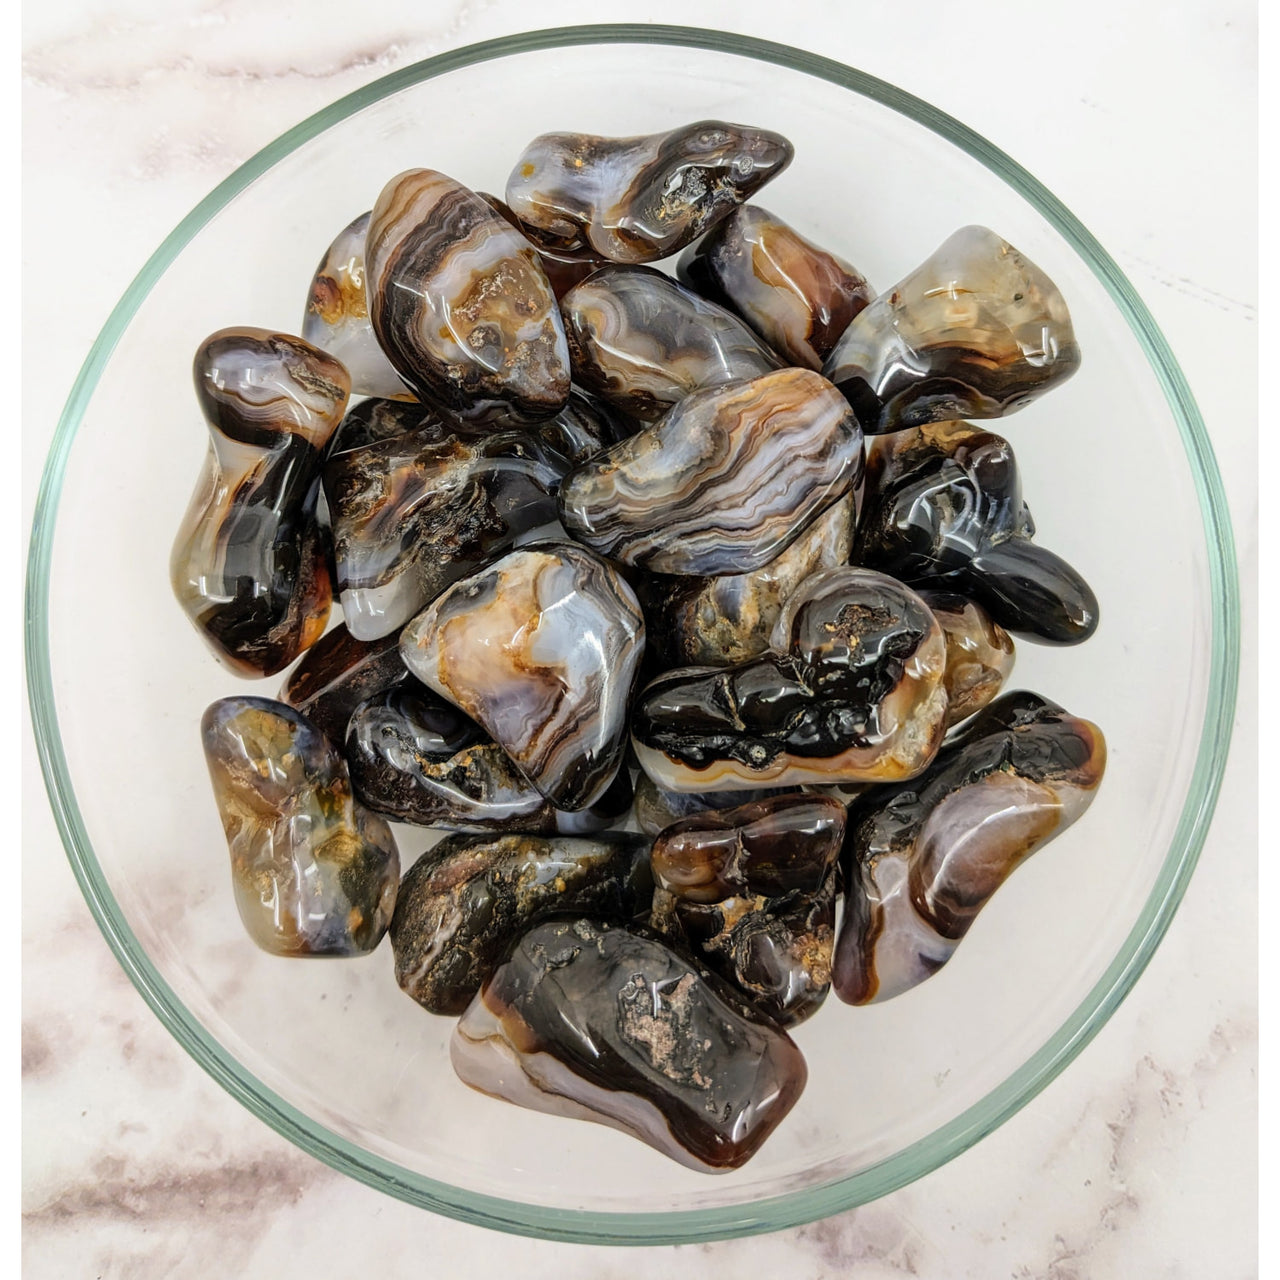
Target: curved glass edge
(808, 1204)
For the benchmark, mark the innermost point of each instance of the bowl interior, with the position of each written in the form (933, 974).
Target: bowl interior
(360, 1071)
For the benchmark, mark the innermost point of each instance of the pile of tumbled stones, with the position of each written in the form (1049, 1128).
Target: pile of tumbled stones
(629, 609)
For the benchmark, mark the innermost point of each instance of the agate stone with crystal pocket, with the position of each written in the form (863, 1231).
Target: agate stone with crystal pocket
(922, 860)
(600, 1022)
(314, 872)
(466, 902)
(797, 297)
(461, 304)
(639, 199)
(542, 649)
(752, 890)
(724, 483)
(976, 331)
(851, 691)
(249, 564)
(715, 622)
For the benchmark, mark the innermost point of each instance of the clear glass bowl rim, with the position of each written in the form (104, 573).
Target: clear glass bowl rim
(797, 1207)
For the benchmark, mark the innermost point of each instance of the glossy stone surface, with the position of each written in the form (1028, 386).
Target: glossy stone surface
(417, 758)
(725, 483)
(775, 951)
(797, 297)
(337, 316)
(979, 653)
(564, 270)
(415, 513)
(642, 342)
(249, 563)
(608, 1024)
(976, 331)
(943, 508)
(639, 199)
(851, 691)
(377, 419)
(337, 674)
(751, 891)
(542, 649)
(716, 622)
(465, 902)
(924, 859)
(769, 847)
(461, 305)
(656, 808)
(314, 872)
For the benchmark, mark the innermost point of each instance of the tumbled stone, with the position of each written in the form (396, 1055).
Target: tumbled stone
(415, 513)
(564, 270)
(943, 508)
(851, 691)
(417, 758)
(723, 484)
(605, 1023)
(769, 847)
(639, 199)
(467, 901)
(976, 331)
(924, 859)
(751, 891)
(314, 872)
(337, 316)
(337, 674)
(642, 342)
(979, 653)
(797, 297)
(657, 808)
(542, 649)
(461, 304)
(716, 622)
(249, 564)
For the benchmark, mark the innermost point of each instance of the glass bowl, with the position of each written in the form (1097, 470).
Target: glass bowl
(1117, 469)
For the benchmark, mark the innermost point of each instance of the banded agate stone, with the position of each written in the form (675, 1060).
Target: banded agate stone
(337, 674)
(639, 199)
(797, 297)
(564, 270)
(542, 649)
(716, 622)
(752, 890)
(415, 513)
(417, 758)
(979, 653)
(314, 872)
(463, 904)
(642, 342)
(461, 305)
(976, 331)
(922, 860)
(337, 316)
(249, 564)
(943, 508)
(723, 484)
(600, 1022)
(851, 691)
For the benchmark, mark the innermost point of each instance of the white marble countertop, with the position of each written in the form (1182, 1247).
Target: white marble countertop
(1140, 1160)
